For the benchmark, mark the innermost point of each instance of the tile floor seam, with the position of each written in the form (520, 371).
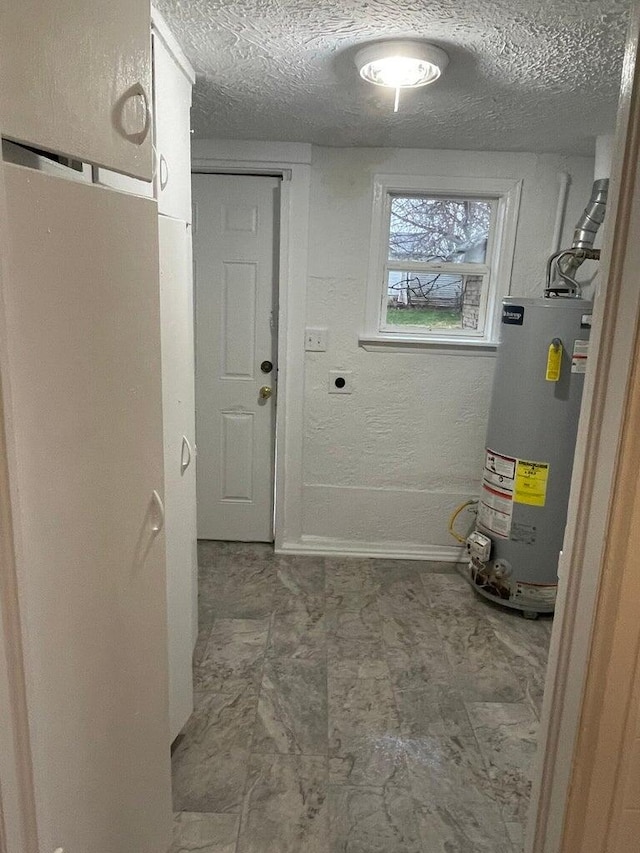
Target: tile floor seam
(526, 696)
(492, 783)
(412, 786)
(208, 632)
(325, 635)
(251, 753)
(394, 690)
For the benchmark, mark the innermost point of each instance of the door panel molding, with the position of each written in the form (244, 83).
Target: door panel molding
(240, 293)
(237, 433)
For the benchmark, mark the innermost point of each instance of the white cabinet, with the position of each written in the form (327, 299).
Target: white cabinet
(76, 80)
(84, 422)
(176, 301)
(172, 82)
(173, 79)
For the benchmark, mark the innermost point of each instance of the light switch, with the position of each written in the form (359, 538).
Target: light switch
(315, 340)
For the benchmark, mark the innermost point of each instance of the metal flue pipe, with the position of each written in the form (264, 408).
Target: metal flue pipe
(593, 216)
(566, 262)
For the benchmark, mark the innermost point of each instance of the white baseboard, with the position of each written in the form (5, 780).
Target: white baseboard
(326, 546)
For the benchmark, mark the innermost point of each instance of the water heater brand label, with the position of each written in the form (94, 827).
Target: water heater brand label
(531, 483)
(513, 315)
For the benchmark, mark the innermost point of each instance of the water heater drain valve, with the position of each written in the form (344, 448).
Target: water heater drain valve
(478, 547)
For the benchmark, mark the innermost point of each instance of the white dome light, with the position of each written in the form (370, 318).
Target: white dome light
(401, 64)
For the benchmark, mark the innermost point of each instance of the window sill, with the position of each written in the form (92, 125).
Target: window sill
(408, 343)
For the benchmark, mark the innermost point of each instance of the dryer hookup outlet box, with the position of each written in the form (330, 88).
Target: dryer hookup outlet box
(340, 382)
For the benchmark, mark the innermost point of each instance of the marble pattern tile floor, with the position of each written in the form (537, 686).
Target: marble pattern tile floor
(354, 706)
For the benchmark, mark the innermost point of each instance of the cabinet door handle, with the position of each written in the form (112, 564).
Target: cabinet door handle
(164, 172)
(125, 122)
(147, 114)
(185, 459)
(157, 513)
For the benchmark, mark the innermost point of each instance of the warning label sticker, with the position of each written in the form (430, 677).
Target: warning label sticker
(493, 520)
(496, 501)
(531, 482)
(505, 481)
(499, 466)
(500, 501)
(580, 356)
(543, 594)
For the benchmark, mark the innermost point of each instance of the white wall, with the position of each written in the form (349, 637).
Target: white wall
(384, 467)
(381, 470)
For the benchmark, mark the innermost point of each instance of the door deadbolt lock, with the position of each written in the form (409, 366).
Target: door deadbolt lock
(266, 392)
(266, 367)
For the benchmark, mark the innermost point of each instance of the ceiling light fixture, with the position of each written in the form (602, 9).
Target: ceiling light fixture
(401, 65)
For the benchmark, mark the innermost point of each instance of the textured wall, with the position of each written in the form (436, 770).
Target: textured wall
(388, 463)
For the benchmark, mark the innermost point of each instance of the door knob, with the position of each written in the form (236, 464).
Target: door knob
(266, 392)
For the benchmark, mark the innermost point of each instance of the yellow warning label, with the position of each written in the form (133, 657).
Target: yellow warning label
(531, 483)
(554, 362)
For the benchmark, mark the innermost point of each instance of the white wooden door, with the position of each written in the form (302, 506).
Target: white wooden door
(76, 79)
(85, 432)
(176, 310)
(235, 252)
(172, 111)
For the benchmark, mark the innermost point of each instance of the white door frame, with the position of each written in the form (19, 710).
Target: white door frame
(616, 320)
(291, 162)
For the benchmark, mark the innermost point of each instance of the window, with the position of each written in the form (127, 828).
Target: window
(441, 257)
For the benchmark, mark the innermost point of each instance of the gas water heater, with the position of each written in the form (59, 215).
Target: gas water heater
(530, 444)
(531, 435)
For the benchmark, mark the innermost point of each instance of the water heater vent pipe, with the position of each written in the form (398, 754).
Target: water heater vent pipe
(593, 216)
(567, 261)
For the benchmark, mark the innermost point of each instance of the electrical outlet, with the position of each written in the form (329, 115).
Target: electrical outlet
(315, 340)
(340, 382)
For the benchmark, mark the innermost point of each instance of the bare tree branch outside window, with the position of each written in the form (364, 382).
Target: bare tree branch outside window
(441, 230)
(428, 231)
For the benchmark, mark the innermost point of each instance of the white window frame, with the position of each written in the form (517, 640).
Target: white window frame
(498, 265)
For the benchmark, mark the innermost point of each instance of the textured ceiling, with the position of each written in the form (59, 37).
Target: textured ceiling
(541, 75)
